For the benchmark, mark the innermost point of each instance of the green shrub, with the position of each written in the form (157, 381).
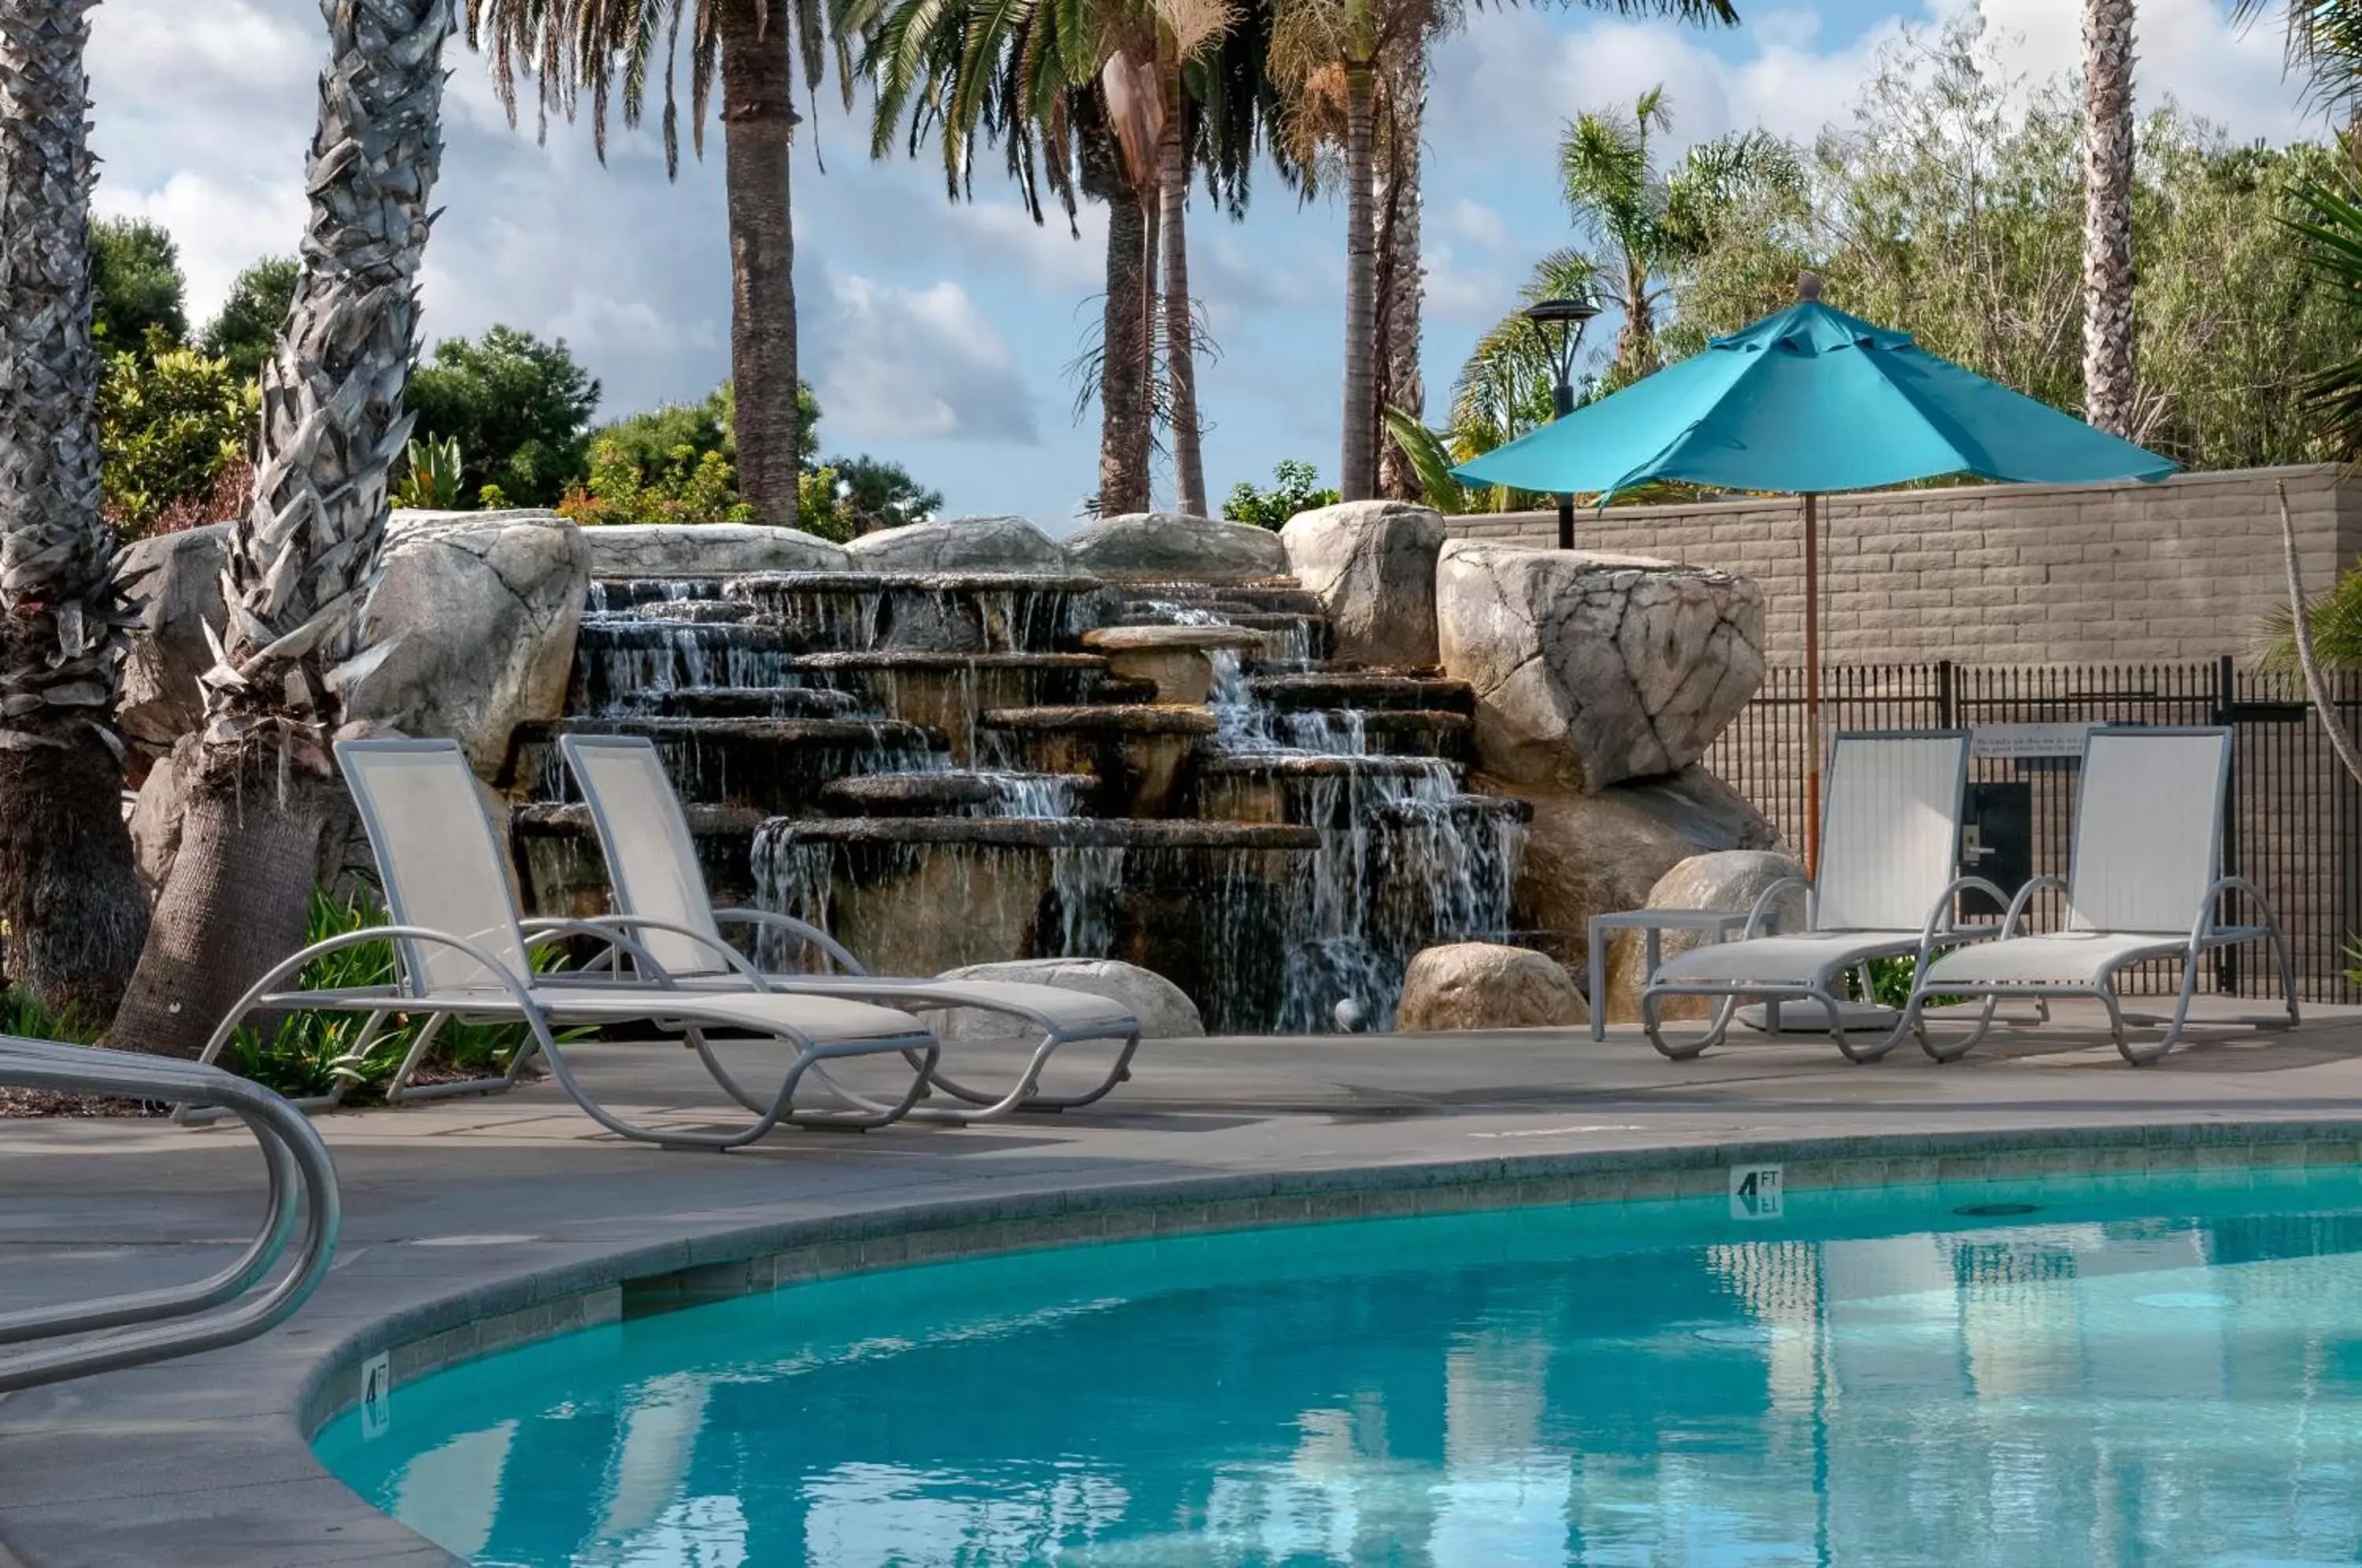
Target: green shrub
(310, 1054)
(1295, 487)
(432, 475)
(171, 423)
(687, 487)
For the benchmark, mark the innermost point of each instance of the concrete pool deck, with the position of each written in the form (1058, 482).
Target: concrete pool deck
(473, 1223)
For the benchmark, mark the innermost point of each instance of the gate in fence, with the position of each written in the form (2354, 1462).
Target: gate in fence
(2290, 825)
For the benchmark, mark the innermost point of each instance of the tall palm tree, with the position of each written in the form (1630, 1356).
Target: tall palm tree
(68, 888)
(613, 48)
(301, 558)
(1354, 41)
(2108, 370)
(1078, 99)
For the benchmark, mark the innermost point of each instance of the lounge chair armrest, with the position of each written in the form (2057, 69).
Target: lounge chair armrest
(2205, 925)
(2017, 906)
(542, 932)
(1939, 921)
(603, 926)
(797, 928)
(1769, 897)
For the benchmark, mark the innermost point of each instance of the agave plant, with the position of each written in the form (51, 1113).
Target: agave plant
(432, 476)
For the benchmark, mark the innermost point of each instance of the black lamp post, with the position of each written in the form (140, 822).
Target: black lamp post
(1569, 317)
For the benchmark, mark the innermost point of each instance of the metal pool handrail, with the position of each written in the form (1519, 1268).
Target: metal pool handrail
(223, 1309)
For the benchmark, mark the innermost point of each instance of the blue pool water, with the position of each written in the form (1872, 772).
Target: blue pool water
(2135, 1372)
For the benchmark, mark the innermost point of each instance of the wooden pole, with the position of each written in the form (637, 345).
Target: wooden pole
(1812, 686)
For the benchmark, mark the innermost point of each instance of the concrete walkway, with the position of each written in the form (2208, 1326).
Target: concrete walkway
(468, 1207)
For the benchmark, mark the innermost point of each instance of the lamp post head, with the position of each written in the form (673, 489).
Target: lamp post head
(1569, 313)
(1569, 316)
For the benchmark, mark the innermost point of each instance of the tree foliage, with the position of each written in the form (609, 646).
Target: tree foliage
(1952, 209)
(170, 425)
(246, 331)
(1295, 487)
(520, 409)
(136, 283)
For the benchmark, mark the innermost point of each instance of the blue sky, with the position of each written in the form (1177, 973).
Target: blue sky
(938, 334)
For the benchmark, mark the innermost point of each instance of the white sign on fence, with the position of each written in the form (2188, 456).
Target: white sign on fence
(2028, 740)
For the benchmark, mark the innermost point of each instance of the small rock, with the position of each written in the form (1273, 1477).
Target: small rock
(1172, 545)
(1484, 984)
(1730, 881)
(959, 544)
(1164, 1011)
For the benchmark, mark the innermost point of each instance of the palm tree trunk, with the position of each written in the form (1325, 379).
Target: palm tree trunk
(1402, 296)
(1151, 327)
(2108, 215)
(1180, 333)
(1123, 368)
(302, 559)
(69, 890)
(1357, 463)
(758, 118)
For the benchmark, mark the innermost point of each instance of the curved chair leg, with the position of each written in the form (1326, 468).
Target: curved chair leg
(863, 1113)
(2142, 1057)
(1916, 1015)
(2288, 971)
(1860, 1056)
(1717, 1028)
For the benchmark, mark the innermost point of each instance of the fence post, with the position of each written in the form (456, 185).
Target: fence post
(1947, 714)
(2227, 677)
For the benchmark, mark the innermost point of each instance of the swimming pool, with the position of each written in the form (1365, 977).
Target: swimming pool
(2058, 1375)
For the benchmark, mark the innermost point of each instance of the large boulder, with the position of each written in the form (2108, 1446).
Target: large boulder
(1731, 880)
(1484, 984)
(1596, 854)
(959, 544)
(1372, 563)
(179, 576)
(1590, 668)
(673, 550)
(477, 616)
(1169, 546)
(1164, 1010)
(478, 611)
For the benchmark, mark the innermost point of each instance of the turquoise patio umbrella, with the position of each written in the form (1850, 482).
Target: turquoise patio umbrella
(1809, 401)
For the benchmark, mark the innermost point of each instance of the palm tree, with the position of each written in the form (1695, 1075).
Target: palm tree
(1080, 101)
(1360, 42)
(69, 890)
(2108, 384)
(301, 558)
(595, 47)
(2324, 43)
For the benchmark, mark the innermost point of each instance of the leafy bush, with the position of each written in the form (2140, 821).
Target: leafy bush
(136, 284)
(686, 487)
(171, 422)
(310, 1053)
(1295, 487)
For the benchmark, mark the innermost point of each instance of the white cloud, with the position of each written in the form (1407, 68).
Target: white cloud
(904, 363)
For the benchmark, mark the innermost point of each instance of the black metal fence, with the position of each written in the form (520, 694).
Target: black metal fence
(2294, 825)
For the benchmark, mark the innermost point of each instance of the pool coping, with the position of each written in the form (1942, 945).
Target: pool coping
(471, 1324)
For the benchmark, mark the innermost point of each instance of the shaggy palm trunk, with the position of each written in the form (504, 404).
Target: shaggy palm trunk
(69, 890)
(2108, 215)
(1180, 330)
(758, 118)
(1123, 367)
(1152, 208)
(1401, 295)
(303, 557)
(1357, 462)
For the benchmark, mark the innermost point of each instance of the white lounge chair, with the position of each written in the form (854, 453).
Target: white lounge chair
(1890, 846)
(662, 902)
(460, 952)
(2143, 884)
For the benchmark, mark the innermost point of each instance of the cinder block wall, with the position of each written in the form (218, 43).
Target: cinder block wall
(2004, 574)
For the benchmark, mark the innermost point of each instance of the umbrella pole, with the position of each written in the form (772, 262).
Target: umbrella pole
(1812, 686)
